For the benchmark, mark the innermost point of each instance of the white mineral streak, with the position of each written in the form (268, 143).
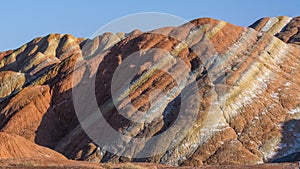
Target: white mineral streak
(294, 111)
(269, 24)
(275, 25)
(286, 21)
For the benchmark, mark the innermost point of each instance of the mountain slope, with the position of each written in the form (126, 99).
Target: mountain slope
(242, 104)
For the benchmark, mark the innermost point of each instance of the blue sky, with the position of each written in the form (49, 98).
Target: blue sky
(22, 21)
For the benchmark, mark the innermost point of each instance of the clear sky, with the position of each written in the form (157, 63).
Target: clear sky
(23, 20)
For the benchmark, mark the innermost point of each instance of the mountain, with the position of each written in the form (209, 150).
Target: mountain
(203, 93)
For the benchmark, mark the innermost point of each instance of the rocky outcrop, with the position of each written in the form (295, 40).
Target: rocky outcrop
(285, 28)
(209, 92)
(11, 82)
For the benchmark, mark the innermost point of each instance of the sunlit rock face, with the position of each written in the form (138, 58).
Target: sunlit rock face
(225, 94)
(285, 28)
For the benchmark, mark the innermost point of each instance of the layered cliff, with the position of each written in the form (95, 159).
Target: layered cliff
(203, 93)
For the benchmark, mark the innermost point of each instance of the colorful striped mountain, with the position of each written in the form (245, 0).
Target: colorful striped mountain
(203, 93)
